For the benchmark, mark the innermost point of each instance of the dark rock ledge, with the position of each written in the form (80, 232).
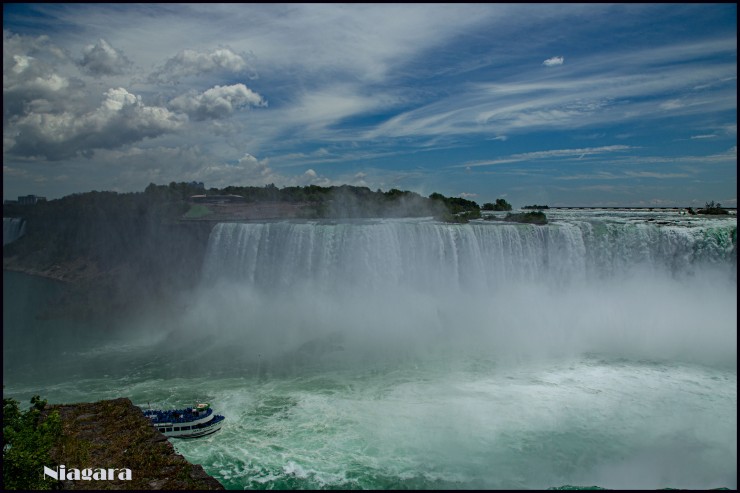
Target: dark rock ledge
(116, 434)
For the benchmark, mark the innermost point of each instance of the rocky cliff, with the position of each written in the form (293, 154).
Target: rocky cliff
(116, 434)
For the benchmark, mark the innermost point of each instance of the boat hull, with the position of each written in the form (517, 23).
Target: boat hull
(195, 432)
(202, 433)
(186, 423)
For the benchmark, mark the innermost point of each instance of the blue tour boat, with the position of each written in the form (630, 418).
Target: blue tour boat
(194, 422)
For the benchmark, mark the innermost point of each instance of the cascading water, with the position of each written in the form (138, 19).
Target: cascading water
(429, 255)
(513, 290)
(599, 349)
(13, 228)
(407, 353)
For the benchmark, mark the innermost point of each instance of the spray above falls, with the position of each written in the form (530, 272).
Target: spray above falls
(378, 289)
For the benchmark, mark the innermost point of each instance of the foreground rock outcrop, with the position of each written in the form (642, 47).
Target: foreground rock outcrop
(116, 434)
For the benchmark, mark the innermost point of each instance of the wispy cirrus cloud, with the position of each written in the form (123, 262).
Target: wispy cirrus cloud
(621, 87)
(554, 153)
(652, 174)
(193, 62)
(353, 88)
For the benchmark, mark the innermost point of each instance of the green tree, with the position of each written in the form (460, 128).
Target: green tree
(712, 208)
(500, 205)
(27, 443)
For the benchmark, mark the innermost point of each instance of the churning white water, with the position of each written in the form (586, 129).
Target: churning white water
(597, 350)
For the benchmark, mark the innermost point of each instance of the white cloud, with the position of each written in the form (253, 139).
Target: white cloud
(586, 151)
(253, 165)
(121, 118)
(252, 171)
(332, 103)
(39, 47)
(248, 170)
(364, 82)
(191, 62)
(651, 174)
(554, 153)
(672, 104)
(217, 102)
(551, 62)
(582, 99)
(102, 59)
(31, 76)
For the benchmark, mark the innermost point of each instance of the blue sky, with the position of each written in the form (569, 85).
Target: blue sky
(558, 104)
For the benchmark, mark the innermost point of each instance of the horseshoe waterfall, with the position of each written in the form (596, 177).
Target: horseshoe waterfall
(597, 350)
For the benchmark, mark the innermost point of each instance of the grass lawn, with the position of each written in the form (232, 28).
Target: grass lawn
(196, 211)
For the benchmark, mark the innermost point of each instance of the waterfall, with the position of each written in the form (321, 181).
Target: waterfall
(377, 289)
(13, 228)
(429, 255)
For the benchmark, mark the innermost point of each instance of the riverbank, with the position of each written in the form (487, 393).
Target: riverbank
(116, 434)
(71, 272)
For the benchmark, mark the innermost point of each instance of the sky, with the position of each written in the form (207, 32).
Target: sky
(551, 104)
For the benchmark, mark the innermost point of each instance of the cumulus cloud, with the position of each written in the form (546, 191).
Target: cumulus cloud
(102, 59)
(191, 62)
(255, 167)
(217, 102)
(121, 118)
(551, 62)
(38, 47)
(28, 72)
(29, 79)
(248, 170)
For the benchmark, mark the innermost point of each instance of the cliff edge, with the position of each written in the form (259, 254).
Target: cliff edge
(116, 434)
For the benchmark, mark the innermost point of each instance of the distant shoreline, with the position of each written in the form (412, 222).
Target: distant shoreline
(631, 208)
(68, 273)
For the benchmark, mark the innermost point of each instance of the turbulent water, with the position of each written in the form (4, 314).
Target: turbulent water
(597, 350)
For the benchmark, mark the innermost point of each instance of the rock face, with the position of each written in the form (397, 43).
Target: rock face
(116, 434)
